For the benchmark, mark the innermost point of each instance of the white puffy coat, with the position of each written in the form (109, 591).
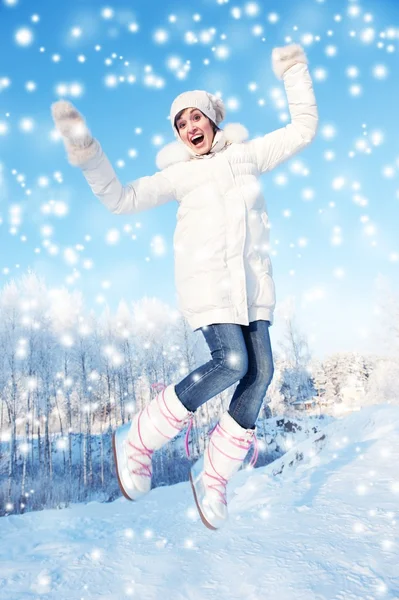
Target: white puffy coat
(223, 272)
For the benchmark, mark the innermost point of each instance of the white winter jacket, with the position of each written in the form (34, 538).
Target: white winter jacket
(223, 272)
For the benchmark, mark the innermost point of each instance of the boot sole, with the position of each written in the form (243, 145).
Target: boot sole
(205, 522)
(117, 470)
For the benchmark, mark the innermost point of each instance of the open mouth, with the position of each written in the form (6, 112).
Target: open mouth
(198, 139)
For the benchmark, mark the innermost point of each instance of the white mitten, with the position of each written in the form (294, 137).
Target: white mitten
(76, 136)
(285, 57)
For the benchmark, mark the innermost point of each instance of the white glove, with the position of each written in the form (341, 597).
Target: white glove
(75, 133)
(285, 57)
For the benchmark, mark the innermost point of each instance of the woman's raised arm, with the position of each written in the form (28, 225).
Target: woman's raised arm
(85, 152)
(289, 64)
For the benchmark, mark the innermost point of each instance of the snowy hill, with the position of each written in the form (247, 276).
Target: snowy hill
(320, 523)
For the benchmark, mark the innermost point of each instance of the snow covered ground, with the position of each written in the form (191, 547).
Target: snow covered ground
(319, 523)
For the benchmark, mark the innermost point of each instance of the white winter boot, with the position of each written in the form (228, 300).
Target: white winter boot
(227, 448)
(151, 428)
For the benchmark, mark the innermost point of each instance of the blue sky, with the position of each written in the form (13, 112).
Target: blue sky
(333, 208)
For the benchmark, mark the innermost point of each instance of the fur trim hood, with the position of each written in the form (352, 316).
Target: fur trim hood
(177, 151)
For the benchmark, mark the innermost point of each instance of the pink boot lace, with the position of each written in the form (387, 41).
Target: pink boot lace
(146, 470)
(239, 442)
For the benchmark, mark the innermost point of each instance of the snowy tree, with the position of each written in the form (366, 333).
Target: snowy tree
(10, 316)
(325, 394)
(383, 384)
(296, 382)
(275, 397)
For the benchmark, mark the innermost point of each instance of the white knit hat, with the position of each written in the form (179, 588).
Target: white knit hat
(207, 103)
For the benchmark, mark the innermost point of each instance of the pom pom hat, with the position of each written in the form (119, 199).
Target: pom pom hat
(211, 106)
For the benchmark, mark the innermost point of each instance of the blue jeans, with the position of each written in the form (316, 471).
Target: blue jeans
(239, 353)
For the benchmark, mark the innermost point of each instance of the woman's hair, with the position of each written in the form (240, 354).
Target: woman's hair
(179, 114)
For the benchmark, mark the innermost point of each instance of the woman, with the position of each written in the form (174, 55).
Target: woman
(223, 272)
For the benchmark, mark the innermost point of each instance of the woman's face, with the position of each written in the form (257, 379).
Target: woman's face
(193, 126)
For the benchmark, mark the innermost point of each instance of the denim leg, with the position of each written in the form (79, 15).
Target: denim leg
(248, 396)
(229, 363)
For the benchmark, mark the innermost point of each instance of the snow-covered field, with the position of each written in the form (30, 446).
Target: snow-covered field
(319, 523)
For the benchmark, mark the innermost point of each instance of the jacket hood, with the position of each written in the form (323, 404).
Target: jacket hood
(177, 151)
